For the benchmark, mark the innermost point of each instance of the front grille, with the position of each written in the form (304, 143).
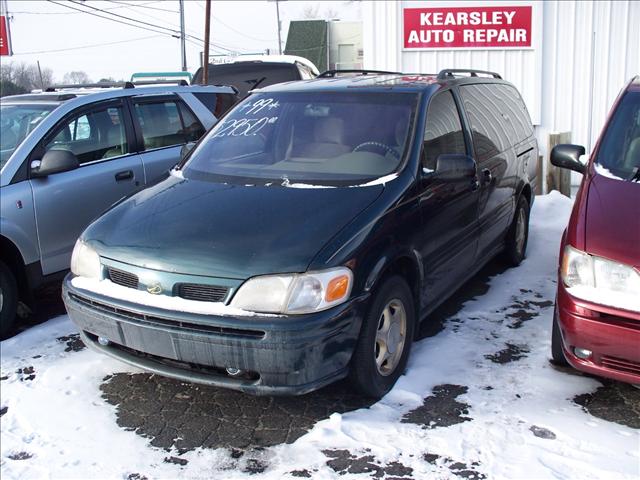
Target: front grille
(120, 277)
(143, 319)
(202, 293)
(620, 364)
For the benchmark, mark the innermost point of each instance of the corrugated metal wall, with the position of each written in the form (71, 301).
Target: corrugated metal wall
(577, 45)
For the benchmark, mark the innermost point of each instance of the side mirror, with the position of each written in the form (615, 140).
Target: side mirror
(567, 156)
(56, 161)
(186, 150)
(455, 167)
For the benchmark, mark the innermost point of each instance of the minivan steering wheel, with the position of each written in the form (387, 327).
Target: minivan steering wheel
(380, 147)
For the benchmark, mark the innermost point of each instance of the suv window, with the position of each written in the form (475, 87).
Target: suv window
(497, 116)
(443, 133)
(92, 135)
(166, 123)
(217, 103)
(246, 75)
(620, 149)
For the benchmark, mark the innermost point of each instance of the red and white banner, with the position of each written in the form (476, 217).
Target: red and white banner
(4, 36)
(467, 27)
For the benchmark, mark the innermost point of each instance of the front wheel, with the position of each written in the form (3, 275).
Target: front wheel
(8, 299)
(385, 339)
(518, 234)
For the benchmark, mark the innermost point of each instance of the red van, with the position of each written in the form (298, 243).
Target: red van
(596, 325)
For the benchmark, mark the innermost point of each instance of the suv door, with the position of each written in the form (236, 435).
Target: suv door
(449, 207)
(163, 125)
(65, 203)
(489, 118)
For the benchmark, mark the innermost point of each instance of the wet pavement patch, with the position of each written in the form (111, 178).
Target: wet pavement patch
(73, 341)
(343, 462)
(524, 310)
(136, 476)
(187, 416)
(304, 473)
(176, 460)
(440, 409)
(511, 353)
(459, 469)
(20, 456)
(541, 432)
(615, 402)
(26, 374)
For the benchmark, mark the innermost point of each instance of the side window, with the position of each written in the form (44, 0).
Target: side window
(192, 127)
(498, 118)
(167, 123)
(443, 132)
(93, 135)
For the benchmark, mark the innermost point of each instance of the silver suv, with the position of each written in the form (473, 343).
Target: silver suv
(67, 155)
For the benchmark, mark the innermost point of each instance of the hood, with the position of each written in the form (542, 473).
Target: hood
(224, 230)
(613, 220)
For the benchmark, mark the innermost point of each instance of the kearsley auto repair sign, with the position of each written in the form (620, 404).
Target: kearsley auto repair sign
(468, 27)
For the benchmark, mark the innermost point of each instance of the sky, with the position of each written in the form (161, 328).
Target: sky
(65, 39)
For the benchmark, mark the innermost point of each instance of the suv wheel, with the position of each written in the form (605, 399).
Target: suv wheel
(518, 234)
(8, 299)
(385, 339)
(557, 352)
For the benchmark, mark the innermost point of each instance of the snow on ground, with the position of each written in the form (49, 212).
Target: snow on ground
(515, 414)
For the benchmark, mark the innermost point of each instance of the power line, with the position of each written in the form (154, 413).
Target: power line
(112, 19)
(142, 5)
(88, 46)
(26, 12)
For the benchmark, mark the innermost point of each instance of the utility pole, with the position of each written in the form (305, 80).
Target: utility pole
(40, 73)
(279, 39)
(183, 43)
(207, 28)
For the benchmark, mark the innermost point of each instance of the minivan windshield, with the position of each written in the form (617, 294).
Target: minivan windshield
(334, 138)
(619, 153)
(16, 122)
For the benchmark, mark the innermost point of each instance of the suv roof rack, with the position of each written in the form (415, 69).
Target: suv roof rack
(334, 73)
(54, 88)
(449, 73)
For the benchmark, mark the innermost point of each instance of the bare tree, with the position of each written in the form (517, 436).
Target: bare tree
(311, 12)
(26, 76)
(330, 13)
(77, 76)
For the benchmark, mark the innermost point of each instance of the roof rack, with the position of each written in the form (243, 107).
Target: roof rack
(54, 88)
(449, 73)
(334, 73)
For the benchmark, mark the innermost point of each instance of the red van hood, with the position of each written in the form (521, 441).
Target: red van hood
(613, 220)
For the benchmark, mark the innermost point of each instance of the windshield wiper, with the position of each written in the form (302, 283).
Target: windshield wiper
(635, 176)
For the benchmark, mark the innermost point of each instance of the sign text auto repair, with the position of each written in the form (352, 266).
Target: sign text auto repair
(467, 27)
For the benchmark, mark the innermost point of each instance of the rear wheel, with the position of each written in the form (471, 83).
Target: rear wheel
(385, 339)
(8, 299)
(557, 351)
(518, 234)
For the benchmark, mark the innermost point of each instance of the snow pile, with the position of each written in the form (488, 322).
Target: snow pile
(520, 421)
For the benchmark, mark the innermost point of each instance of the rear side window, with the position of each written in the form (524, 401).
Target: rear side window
(94, 135)
(166, 123)
(497, 116)
(443, 132)
(216, 103)
(248, 75)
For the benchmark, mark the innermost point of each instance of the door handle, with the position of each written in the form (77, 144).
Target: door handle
(487, 177)
(125, 175)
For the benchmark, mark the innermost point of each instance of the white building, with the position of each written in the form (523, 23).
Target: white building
(569, 59)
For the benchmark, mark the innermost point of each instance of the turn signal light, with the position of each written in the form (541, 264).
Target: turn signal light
(337, 288)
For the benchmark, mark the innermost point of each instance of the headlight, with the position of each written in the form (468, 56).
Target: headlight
(600, 280)
(295, 293)
(85, 262)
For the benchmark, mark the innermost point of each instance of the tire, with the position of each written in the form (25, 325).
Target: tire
(374, 369)
(518, 234)
(8, 299)
(557, 351)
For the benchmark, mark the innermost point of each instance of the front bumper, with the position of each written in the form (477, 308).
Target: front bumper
(287, 355)
(613, 335)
